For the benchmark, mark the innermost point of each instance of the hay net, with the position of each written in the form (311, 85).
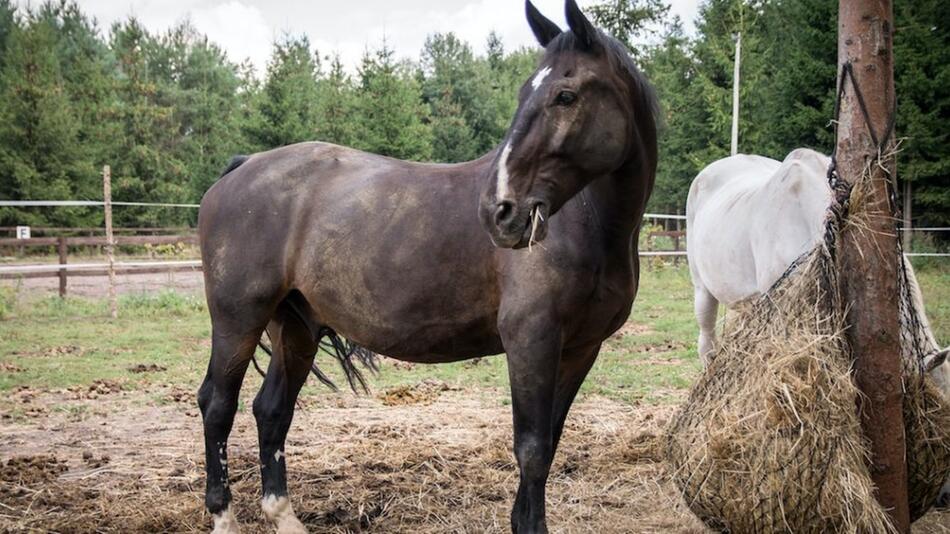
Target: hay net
(770, 439)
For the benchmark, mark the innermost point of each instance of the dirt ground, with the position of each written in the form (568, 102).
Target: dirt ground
(433, 462)
(105, 459)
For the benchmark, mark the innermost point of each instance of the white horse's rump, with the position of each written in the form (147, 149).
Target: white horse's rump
(748, 218)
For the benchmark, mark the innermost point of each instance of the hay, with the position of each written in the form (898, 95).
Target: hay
(770, 439)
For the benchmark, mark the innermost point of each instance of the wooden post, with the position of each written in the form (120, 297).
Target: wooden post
(61, 247)
(735, 95)
(908, 219)
(110, 239)
(868, 257)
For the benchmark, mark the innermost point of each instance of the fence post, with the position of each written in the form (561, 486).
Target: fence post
(110, 239)
(868, 256)
(61, 246)
(908, 219)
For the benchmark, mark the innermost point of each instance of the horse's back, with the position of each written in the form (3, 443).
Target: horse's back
(749, 217)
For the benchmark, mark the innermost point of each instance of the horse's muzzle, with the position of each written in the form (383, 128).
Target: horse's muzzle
(511, 225)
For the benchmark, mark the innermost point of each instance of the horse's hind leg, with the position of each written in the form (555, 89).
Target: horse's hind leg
(231, 349)
(293, 352)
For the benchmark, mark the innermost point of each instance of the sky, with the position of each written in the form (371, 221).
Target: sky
(245, 29)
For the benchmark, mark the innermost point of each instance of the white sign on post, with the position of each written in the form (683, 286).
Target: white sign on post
(22, 232)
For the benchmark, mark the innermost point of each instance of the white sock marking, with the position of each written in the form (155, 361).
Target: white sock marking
(539, 78)
(501, 191)
(280, 511)
(278, 455)
(225, 522)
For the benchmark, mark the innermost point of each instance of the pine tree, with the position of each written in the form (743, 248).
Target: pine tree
(922, 72)
(802, 49)
(714, 51)
(289, 100)
(204, 99)
(88, 72)
(629, 21)
(452, 139)
(457, 102)
(40, 154)
(8, 22)
(337, 106)
(671, 69)
(145, 166)
(391, 115)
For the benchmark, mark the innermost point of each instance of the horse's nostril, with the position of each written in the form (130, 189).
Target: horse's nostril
(504, 212)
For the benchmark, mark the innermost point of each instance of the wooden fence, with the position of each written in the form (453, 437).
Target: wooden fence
(64, 269)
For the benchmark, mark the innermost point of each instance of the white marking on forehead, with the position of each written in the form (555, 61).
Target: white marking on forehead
(501, 191)
(539, 79)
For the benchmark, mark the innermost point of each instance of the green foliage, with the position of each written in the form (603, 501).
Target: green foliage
(391, 118)
(922, 72)
(629, 20)
(337, 105)
(288, 105)
(41, 155)
(167, 111)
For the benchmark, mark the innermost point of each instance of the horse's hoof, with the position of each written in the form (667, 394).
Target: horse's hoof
(225, 523)
(280, 511)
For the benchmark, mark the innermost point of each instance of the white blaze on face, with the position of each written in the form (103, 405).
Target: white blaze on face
(539, 78)
(501, 191)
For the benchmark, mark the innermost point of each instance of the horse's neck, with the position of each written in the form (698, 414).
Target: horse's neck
(618, 202)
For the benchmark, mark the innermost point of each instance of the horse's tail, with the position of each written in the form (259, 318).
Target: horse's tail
(344, 351)
(235, 162)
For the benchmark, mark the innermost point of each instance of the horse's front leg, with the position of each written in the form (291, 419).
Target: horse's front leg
(534, 349)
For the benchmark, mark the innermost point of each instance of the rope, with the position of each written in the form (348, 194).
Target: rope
(56, 203)
(912, 338)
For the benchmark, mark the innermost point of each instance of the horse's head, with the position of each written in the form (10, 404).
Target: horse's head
(574, 123)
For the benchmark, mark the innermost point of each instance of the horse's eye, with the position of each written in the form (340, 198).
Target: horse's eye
(565, 98)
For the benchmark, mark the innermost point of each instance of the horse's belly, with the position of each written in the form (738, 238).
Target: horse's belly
(420, 314)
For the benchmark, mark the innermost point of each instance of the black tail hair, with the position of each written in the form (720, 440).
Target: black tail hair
(343, 350)
(235, 162)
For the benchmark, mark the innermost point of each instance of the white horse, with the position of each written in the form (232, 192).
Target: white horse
(748, 218)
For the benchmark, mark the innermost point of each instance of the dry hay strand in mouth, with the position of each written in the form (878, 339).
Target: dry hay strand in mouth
(536, 219)
(769, 439)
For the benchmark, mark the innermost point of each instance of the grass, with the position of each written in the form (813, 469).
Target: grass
(54, 343)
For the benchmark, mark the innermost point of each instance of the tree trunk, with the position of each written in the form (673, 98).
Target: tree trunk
(868, 253)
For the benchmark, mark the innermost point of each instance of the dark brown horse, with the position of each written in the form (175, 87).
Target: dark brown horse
(431, 263)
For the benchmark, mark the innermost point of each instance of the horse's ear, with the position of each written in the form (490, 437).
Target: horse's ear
(544, 30)
(936, 359)
(582, 28)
